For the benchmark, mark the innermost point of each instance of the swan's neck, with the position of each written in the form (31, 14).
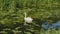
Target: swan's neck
(24, 18)
(25, 14)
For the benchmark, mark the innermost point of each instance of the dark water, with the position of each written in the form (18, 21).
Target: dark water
(51, 26)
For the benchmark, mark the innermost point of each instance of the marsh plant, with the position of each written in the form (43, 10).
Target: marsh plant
(41, 11)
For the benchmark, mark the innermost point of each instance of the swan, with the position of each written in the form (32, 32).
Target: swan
(27, 19)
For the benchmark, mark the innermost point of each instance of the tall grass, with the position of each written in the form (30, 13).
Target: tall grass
(12, 12)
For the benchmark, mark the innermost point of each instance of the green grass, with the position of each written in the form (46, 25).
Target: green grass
(12, 12)
(42, 32)
(50, 32)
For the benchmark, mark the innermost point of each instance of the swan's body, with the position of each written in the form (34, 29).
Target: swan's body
(28, 19)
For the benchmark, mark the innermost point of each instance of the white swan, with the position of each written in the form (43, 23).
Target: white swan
(27, 19)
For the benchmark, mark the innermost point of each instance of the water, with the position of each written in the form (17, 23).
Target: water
(51, 26)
